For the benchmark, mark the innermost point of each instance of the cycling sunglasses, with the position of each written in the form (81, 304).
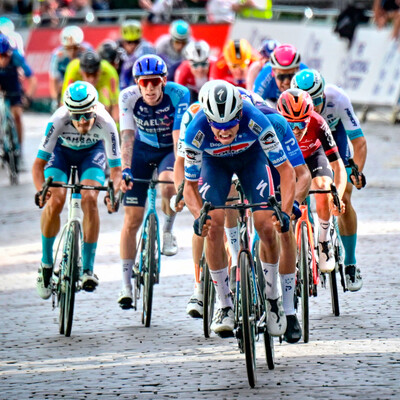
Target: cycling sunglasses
(299, 124)
(318, 100)
(282, 77)
(86, 116)
(144, 82)
(224, 125)
(199, 64)
(242, 66)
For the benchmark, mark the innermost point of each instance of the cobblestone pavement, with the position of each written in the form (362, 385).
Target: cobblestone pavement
(110, 355)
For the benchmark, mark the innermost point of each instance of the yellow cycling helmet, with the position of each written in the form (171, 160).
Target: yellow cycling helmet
(238, 53)
(131, 30)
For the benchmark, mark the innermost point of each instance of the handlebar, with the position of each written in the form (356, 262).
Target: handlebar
(333, 191)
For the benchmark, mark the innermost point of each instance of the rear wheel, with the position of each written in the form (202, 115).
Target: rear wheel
(208, 298)
(305, 288)
(69, 278)
(12, 154)
(149, 267)
(248, 308)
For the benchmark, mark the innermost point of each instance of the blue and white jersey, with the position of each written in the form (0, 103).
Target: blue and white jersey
(153, 125)
(338, 109)
(61, 130)
(255, 131)
(265, 84)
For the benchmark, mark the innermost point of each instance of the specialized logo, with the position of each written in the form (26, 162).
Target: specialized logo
(198, 139)
(254, 127)
(203, 190)
(221, 94)
(261, 187)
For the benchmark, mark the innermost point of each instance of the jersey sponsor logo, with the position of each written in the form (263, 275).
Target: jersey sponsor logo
(198, 139)
(290, 143)
(261, 187)
(194, 108)
(163, 110)
(254, 127)
(113, 144)
(131, 200)
(48, 135)
(236, 148)
(100, 159)
(216, 144)
(191, 154)
(182, 108)
(351, 117)
(268, 138)
(191, 172)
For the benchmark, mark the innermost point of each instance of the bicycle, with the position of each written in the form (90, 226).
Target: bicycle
(146, 271)
(65, 281)
(250, 308)
(9, 144)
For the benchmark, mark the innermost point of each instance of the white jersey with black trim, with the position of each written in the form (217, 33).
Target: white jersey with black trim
(60, 129)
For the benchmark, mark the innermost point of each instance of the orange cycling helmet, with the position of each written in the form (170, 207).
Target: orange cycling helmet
(295, 105)
(238, 52)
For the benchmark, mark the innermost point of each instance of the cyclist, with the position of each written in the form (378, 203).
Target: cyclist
(276, 75)
(151, 113)
(101, 74)
(194, 72)
(265, 50)
(334, 105)
(109, 51)
(135, 47)
(170, 46)
(72, 46)
(230, 136)
(233, 65)
(75, 136)
(322, 156)
(8, 28)
(11, 63)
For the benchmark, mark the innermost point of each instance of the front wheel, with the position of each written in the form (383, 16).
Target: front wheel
(69, 276)
(149, 267)
(208, 298)
(305, 286)
(248, 311)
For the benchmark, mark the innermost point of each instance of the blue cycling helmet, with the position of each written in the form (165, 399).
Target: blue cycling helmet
(267, 47)
(80, 96)
(179, 30)
(149, 65)
(5, 45)
(309, 80)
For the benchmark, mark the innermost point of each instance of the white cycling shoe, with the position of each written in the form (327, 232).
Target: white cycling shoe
(276, 318)
(326, 257)
(354, 280)
(170, 247)
(125, 298)
(89, 281)
(195, 305)
(223, 321)
(43, 282)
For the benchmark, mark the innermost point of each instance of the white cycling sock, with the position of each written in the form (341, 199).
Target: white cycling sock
(127, 272)
(288, 283)
(168, 222)
(232, 234)
(221, 283)
(324, 230)
(271, 274)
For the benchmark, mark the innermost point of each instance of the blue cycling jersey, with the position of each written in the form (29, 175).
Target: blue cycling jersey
(153, 125)
(255, 132)
(265, 84)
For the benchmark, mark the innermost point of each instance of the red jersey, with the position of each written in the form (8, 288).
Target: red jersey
(184, 76)
(318, 134)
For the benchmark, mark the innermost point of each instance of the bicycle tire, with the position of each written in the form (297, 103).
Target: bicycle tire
(12, 157)
(268, 339)
(149, 270)
(247, 303)
(208, 298)
(70, 276)
(334, 293)
(305, 285)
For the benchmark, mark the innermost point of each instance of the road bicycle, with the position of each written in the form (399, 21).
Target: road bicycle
(65, 281)
(250, 308)
(146, 271)
(9, 144)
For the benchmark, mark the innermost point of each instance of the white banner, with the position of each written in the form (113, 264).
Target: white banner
(369, 72)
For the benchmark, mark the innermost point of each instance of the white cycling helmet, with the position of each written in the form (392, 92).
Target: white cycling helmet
(179, 30)
(80, 96)
(71, 36)
(6, 25)
(309, 80)
(220, 101)
(197, 51)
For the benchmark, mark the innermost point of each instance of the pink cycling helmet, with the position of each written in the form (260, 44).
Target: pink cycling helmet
(285, 56)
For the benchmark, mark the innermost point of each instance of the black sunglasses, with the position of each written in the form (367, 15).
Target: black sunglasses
(282, 77)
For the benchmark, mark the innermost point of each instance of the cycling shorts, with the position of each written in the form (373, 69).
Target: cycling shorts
(142, 158)
(91, 163)
(251, 167)
(318, 164)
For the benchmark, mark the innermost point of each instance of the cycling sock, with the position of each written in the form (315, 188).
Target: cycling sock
(287, 283)
(232, 234)
(47, 250)
(127, 265)
(349, 243)
(168, 222)
(271, 274)
(88, 254)
(324, 230)
(221, 283)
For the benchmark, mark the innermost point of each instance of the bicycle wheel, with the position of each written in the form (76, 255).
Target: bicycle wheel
(334, 293)
(305, 288)
(208, 298)
(149, 267)
(248, 309)
(69, 278)
(12, 153)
